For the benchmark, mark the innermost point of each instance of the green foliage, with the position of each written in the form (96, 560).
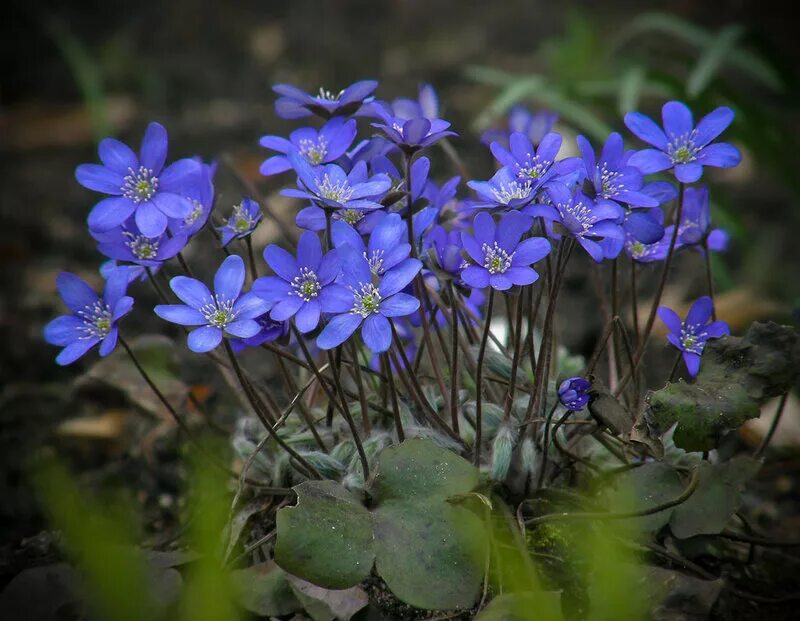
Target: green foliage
(425, 547)
(737, 376)
(719, 492)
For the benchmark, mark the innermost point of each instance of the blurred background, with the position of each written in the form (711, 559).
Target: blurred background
(74, 72)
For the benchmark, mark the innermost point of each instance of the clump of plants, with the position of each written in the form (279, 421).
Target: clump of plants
(432, 446)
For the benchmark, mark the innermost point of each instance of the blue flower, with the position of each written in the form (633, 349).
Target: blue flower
(139, 185)
(610, 175)
(312, 218)
(531, 165)
(242, 222)
(573, 393)
(690, 336)
(371, 300)
(501, 260)
(226, 311)
(504, 190)
(127, 243)
(201, 196)
(426, 106)
(695, 227)
(444, 250)
(332, 188)
(587, 221)
(271, 330)
(534, 125)
(681, 145)
(410, 134)
(93, 319)
(387, 246)
(304, 287)
(317, 147)
(296, 104)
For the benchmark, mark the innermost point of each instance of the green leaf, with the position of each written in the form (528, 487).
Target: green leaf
(716, 499)
(643, 488)
(528, 606)
(419, 470)
(327, 537)
(428, 552)
(712, 59)
(263, 589)
(737, 375)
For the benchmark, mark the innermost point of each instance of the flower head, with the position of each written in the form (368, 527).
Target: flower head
(271, 330)
(370, 301)
(93, 319)
(201, 196)
(695, 226)
(690, 336)
(410, 134)
(296, 104)
(610, 175)
(128, 243)
(387, 246)
(139, 185)
(586, 220)
(680, 145)
(500, 259)
(573, 393)
(304, 286)
(316, 147)
(531, 165)
(242, 222)
(332, 188)
(425, 106)
(444, 250)
(503, 190)
(226, 311)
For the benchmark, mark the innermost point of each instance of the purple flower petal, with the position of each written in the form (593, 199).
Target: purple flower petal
(650, 161)
(191, 291)
(271, 288)
(173, 205)
(521, 275)
(717, 329)
(180, 314)
(398, 277)
(700, 311)
(720, 155)
(338, 330)
(204, 339)
(473, 248)
(399, 305)
(121, 308)
(512, 226)
(377, 333)
(307, 318)
(243, 328)
(677, 119)
(229, 279)
(117, 156)
(75, 293)
(309, 251)
(501, 282)
(153, 152)
(688, 173)
(281, 262)
(415, 130)
(110, 212)
(692, 362)
(63, 330)
(670, 319)
(274, 165)
(286, 308)
(475, 276)
(150, 220)
(335, 299)
(75, 350)
(712, 125)
(250, 306)
(99, 178)
(644, 128)
(108, 344)
(530, 251)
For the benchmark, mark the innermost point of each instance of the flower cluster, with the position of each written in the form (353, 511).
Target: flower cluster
(386, 250)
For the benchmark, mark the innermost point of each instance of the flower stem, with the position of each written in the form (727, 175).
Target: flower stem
(454, 371)
(515, 360)
(355, 369)
(772, 427)
(545, 445)
(259, 411)
(709, 279)
(398, 424)
(251, 258)
(651, 318)
(348, 417)
(479, 379)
